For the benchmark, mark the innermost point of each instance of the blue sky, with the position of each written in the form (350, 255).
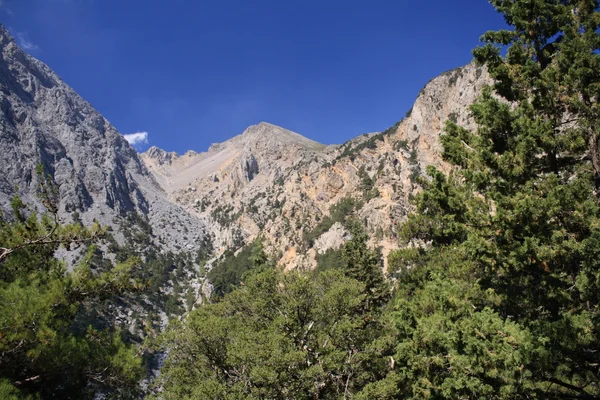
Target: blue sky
(195, 72)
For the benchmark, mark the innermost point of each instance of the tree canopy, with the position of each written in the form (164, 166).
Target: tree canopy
(49, 347)
(496, 292)
(512, 234)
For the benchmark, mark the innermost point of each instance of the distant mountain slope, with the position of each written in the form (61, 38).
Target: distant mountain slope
(272, 182)
(98, 174)
(236, 159)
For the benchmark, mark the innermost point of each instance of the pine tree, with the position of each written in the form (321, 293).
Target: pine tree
(47, 350)
(365, 265)
(520, 217)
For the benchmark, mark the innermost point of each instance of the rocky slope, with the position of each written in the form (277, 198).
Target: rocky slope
(267, 181)
(98, 174)
(272, 182)
(233, 163)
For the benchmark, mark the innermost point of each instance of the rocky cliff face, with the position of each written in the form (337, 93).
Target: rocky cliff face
(98, 174)
(272, 182)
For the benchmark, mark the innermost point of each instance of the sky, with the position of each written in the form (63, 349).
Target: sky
(182, 74)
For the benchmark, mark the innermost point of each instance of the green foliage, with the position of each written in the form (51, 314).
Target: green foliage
(331, 259)
(204, 250)
(280, 336)
(401, 261)
(367, 185)
(288, 335)
(451, 349)
(233, 268)
(503, 301)
(339, 212)
(497, 292)
(365, 265)
(165, 276)
(47, 348)
(413, 158)
(401, 144)
(9, 392)
(224, 215)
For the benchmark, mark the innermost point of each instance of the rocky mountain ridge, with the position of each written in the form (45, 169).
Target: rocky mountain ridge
(272, 144)
(99, 176)
(180, 213)
(274, 183)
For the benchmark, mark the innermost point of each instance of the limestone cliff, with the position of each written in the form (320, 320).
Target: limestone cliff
(276, 183)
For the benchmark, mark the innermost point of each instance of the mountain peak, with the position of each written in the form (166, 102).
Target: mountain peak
(270, 134)
(7, 41)
(265, 124)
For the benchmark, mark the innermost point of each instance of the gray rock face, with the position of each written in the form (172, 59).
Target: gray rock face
(250, 167)
(446, 97)
(163, 157)
(263, 148)
(42, 120)
(233, 175)
(334, 238)
(98, 174)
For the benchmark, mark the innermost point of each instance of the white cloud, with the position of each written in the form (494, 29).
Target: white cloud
(137, 138)
(24, 42)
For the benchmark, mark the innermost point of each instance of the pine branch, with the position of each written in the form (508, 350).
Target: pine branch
(47, 240)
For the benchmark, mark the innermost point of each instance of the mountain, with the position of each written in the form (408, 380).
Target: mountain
(275, 183)
(181, 215)
(267, 181)
(98, 174)
(234, 161)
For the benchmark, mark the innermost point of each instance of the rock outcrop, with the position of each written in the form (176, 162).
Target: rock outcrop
(98, 174)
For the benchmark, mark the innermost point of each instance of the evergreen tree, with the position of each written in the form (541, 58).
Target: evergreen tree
(280, 336)
(516, 227)
(286, 335)
(365, 265)
(234, 268)
(47, 347)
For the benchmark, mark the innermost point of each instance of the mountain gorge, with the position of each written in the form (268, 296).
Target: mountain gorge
(184, 214)
(453, 255)
(98, 177)
(267, 181)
